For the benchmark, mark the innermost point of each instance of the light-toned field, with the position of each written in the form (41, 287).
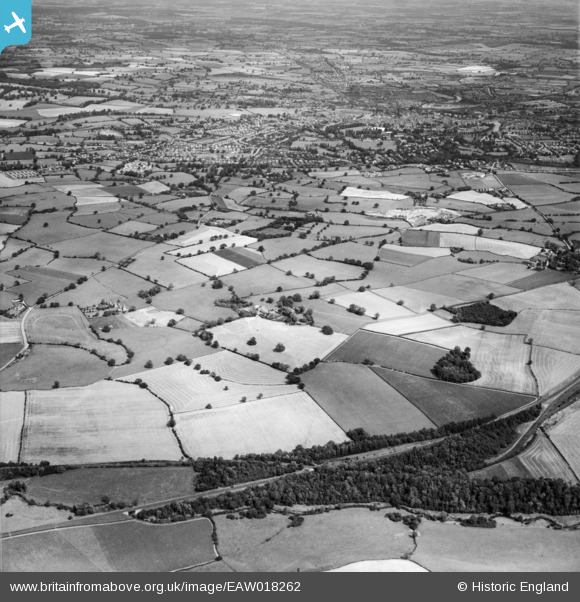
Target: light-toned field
(502, 273)
(564, 435)
(381, 566)
(302, 343)
(542, 459)
(373, 304)
(130, 546)
(411, 324)
(11, 421)
(68, 325)
(234, 240)
(131, 227)
(10, 331)
(372, 194)
(458, 228)
(184, 389)
(482, 198)
(104, 422)
(555, 296)
(501, 359)
(417, 301)
(261, 426)
(205, 234)
(553, 367)
(152, 317)
(443, 547)
(322, 542)
(210, 264)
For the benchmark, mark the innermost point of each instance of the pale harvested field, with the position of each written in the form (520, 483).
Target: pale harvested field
(205, 234)
(501, 359)
(556, 296)
(323, 542)
(104, 422)
(542, 459)
(11, 421)
(10, 332)
(553, 367)
(564, 436)
(372, 194)
(417, 301)
(458, 228)
(261, 426)
(482, 198)
(502, 273)
(373, 304)
(548, 328)
(401, 326)
(234, 240)
(302, 343)
(211, 265)
(444, 547)
(381, 566)
(184, 389)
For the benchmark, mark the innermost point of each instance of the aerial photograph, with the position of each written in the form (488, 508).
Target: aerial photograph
(290, 286)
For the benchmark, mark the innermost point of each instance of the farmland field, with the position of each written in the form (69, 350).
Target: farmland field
(45, 364)
(8, 351)
(401, 326)
(89, 485)
(210, 264)
(417, 301)
(104, 422)
(68, 326)
(501, 359)
(320, 268)
(555, 296)
(444, 547)
(446, 402)
(130, 546)
(327, 541)
(10, 332)
(373, 304)
(184, 389)
(260, 426)
(389, 352)
(552, 367)
(543, 460)
(152, 317)
(11, 421)
(502, 273)
(564, 435)
(302, 343)
(334, 316)
(263, 279)
(354, 397)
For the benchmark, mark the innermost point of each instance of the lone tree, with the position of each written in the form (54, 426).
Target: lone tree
(327, 330)
(252, 341)
(279, 348)
(148, 364)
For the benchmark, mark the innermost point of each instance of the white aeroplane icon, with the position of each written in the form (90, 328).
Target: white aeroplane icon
(17, 23)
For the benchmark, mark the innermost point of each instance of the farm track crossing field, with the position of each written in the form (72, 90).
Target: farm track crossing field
(543, 460)
(354, 397)
(328, 540)
(302, 343)
(68, 326)
(44, 364)
(130, 546)
(555, 296)
(552, 367)
(388, 352)
(446, 402)
(261, 426)
(184, 389)
(564, 435)
(120, 484)
(447, 547)
(501, 358)
(104, 422)
(11, 422)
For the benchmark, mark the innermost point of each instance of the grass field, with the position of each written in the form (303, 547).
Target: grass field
(461, 287)
(502, 273)
(67, 325)
(156, 344)
(444, 548)
(446, 402)
(555, 296)
(104, 422)
(501, 358)
(260, 426)
(373, 304)
(334, 316)
(402, 326)
(564, 435)
(151, 317)
(323, 542)
(320, 268)
(130, 546)
(302, 343)
(45, 364)
(120, 484)
(353, 396)
(186, 390)
(264, 279)
(389, 352)
(11, 421)
(8, 351)
(543, 460)
(416, 301)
